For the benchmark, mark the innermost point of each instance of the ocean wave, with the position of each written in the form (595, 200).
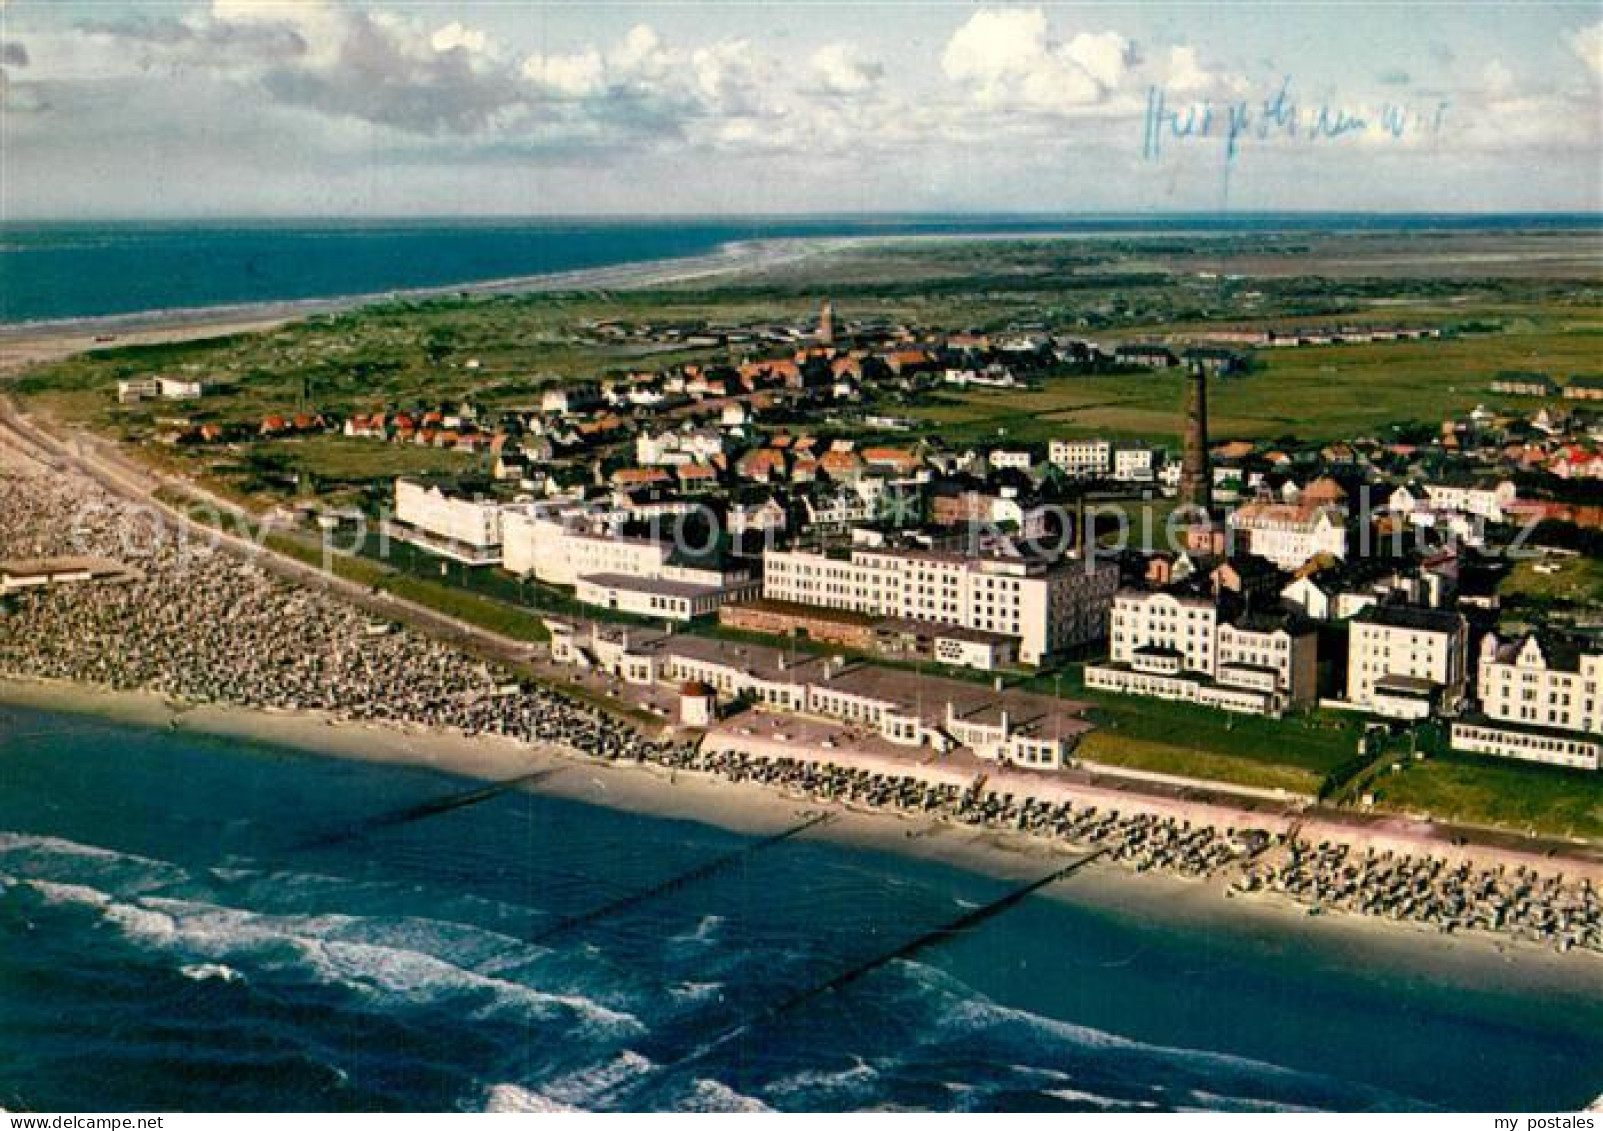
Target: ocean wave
(696, 992)
(706, 931)
(944, 1012)
(820, 1083)
(502, 1099)
(28, 856)
(62, 895)
(1091, 1099)
(1211, 1101)
(712, 1096)
(210, 971)
(376, 959)
(583, 1088)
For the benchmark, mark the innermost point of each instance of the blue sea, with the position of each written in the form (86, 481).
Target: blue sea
(193, 923)
(72, 271)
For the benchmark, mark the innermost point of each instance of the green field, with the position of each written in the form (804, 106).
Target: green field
(1177, 738)
(1313, 393)
(1505, 795)
(1114, 748)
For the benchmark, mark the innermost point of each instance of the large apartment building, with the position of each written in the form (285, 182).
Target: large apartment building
(1089, 459)
(1406, 662)
(1191, 648)
(1047, 607)
(1540, 701)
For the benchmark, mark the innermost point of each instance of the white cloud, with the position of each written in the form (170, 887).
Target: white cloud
(1185, 71)
(1104, 56)
(726, 76)
(320, 24)
(840, 70)
(639, 65)
(579, 75)
(1587, 43)
(453, 36)
(387, 69)
(1008, 57)
(1187, 74)
(641, 54)
(996, 45)
(323, 19)
(1497, 80)
(1018, 96)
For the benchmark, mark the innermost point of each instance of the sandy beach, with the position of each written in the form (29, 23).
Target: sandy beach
(1259, 922)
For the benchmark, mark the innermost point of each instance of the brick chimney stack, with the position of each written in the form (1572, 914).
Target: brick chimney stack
(1196, 477)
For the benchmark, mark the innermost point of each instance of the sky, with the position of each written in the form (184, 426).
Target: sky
(211, 108)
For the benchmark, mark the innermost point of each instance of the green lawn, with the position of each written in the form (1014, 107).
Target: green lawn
(340, 458)
(1577, 580)
(1295, 753)
(441, 596)
(1506, 795)
(1116, 748)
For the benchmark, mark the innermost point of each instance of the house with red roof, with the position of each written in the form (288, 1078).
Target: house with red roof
(1575, 462)
(639, 477)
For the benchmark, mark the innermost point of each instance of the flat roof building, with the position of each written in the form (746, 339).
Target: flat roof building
(1047, 607)
(1406, 662)
(904, 708)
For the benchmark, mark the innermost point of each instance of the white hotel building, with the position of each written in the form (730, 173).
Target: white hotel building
(1092, 459)
(1539, 702)
(580, 546)
(1176, 646)
(1406, 662)
(465, 528)
(1046, 607)
(1288, 534)
(904, 709)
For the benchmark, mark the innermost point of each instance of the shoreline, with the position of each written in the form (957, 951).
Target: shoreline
(1259, 920)
(23, 344)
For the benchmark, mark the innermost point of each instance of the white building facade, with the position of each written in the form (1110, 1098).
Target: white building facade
(1538, 703)
(1084, 459)
(1047, 608)
(583, 547)
(1176, 646)
(465, 528)
(1405, 662)
(1288, 534)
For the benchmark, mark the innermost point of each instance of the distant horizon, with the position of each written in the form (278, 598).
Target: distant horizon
(793, 216)
(79, 268)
